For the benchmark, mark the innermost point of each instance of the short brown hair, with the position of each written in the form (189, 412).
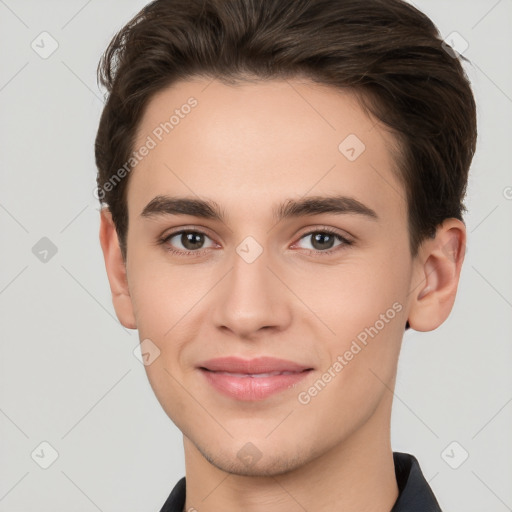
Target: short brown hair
(386, 51)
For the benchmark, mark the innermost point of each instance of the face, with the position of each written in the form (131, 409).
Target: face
(272, 269)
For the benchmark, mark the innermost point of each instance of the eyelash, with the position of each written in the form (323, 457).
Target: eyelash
(324, 230)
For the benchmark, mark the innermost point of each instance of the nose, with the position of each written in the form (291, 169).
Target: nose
(252, 299)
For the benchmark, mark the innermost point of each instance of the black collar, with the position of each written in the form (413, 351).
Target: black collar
(415, 495)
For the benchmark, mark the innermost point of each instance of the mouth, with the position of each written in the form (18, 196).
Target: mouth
(252, 380)
(255, 375)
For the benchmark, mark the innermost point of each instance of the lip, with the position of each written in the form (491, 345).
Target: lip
(264, 364)
(238, 378)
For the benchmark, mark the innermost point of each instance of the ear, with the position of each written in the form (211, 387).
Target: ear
(436, 276)
(116, 270)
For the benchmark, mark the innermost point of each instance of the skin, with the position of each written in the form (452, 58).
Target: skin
(249, 147)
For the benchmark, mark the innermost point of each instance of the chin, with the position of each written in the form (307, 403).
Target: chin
(249, 461)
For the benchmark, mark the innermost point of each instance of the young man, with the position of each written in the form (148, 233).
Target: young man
(283, 187)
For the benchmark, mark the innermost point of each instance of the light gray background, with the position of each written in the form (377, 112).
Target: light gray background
(67, 370)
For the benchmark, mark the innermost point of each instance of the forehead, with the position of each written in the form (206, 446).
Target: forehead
(256, 143)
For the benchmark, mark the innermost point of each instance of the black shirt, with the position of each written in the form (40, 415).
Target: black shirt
(414, 493)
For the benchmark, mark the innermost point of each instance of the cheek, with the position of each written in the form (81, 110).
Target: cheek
(362, 308)
(161, 295)
(172, 394)
(352, 295)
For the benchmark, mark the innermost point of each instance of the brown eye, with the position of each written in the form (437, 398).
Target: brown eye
(321, 241)
(324, 241)
(186, 241)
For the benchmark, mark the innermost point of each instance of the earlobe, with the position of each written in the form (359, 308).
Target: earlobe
(116, 271)
(438, 267)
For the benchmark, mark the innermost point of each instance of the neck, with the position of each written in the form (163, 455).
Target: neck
(356, 475)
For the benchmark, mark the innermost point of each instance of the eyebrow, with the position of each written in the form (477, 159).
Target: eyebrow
(163, 205)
